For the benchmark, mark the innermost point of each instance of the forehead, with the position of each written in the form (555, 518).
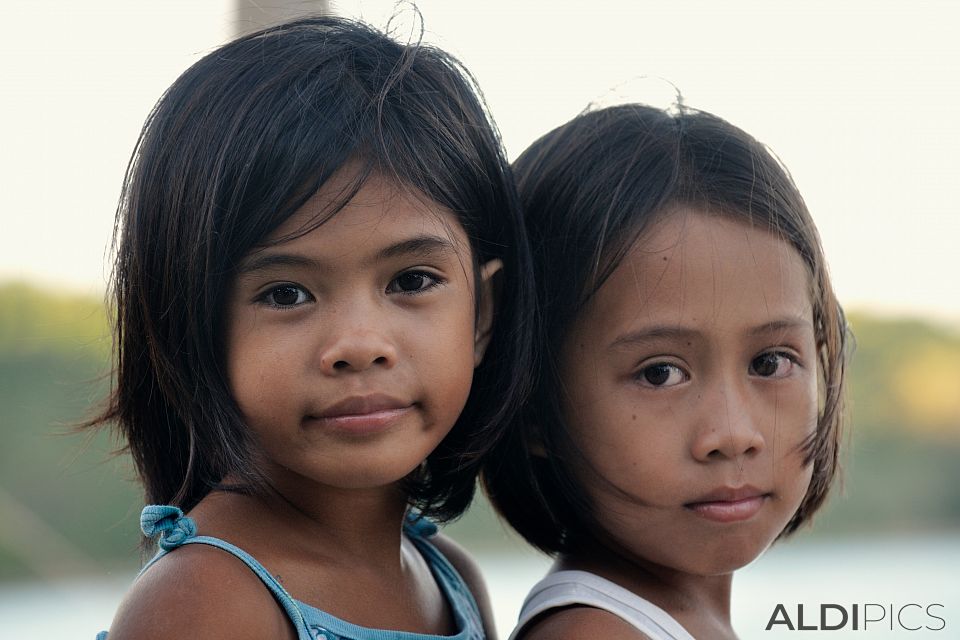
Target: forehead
(704, 271)
(346, 217)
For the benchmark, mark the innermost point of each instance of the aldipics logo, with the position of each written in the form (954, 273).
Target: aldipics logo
(868, 616)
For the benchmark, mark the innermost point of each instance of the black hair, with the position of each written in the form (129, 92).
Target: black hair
(590, 189)
(232, 149)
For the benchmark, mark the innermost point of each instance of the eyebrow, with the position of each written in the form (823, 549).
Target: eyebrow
(263, 262)
(657, 332)
(783, 324)
(676, 332)
(419, 246)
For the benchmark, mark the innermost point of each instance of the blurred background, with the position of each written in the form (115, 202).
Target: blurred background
(859, 99)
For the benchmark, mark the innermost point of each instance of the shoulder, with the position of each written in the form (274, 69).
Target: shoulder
(465, 565)
(202, 592)
(578, 622)
(468, 569)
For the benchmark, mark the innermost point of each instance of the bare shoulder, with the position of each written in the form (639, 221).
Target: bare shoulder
(468, 569)
(202, 592)
(465, 565)
(580, 622)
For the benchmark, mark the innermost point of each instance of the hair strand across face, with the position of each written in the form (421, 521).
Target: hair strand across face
(590, 189)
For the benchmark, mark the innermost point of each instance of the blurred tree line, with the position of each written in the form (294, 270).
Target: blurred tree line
(68, 506)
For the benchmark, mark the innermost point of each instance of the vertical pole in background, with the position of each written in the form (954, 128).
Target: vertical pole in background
(255, 14)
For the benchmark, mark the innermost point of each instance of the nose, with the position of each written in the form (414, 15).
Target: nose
(356, 342)
(729, 425)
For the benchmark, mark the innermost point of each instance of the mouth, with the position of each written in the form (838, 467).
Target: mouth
(729, 504)
(361, 415)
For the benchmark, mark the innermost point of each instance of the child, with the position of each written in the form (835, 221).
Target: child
(688, 408)
(314, 230)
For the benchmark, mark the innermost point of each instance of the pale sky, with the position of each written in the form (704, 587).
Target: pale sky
(860, 99)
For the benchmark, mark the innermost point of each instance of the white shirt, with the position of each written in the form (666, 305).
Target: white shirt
(565, 588)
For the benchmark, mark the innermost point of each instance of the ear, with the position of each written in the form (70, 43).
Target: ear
(486, 301)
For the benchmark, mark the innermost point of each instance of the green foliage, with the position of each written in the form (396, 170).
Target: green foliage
(37, 321)
(900, 462)
(905, 377)
(59, 488)
(65, 490)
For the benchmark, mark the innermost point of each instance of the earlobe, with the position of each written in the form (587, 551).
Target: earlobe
(486, 301)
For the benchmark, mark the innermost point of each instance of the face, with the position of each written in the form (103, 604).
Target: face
(351, 348)
(691, 383)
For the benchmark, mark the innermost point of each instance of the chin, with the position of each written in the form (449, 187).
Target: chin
(729, 557)
(373, 479)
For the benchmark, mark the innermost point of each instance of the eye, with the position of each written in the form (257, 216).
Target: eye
(413, 282)
(772, 364)
(661, 374)
(285, 296)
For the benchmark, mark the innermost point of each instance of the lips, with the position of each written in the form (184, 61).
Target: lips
(729, 504)
(361, 415)
(360, 405)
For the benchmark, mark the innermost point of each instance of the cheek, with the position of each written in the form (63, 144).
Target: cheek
(792, 475)
(603, 427)
(588, 400)
(795, 410)
(793, 485)
(441, 350)
(621, 451)
(255, 372)
(248, 388)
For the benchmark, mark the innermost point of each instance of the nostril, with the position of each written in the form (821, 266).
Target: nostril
(380, 360)
(341, 364)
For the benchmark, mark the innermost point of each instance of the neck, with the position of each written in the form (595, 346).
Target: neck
(349, 526)
(689, 598)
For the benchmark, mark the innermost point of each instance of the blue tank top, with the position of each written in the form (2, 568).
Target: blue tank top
(175, 529)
